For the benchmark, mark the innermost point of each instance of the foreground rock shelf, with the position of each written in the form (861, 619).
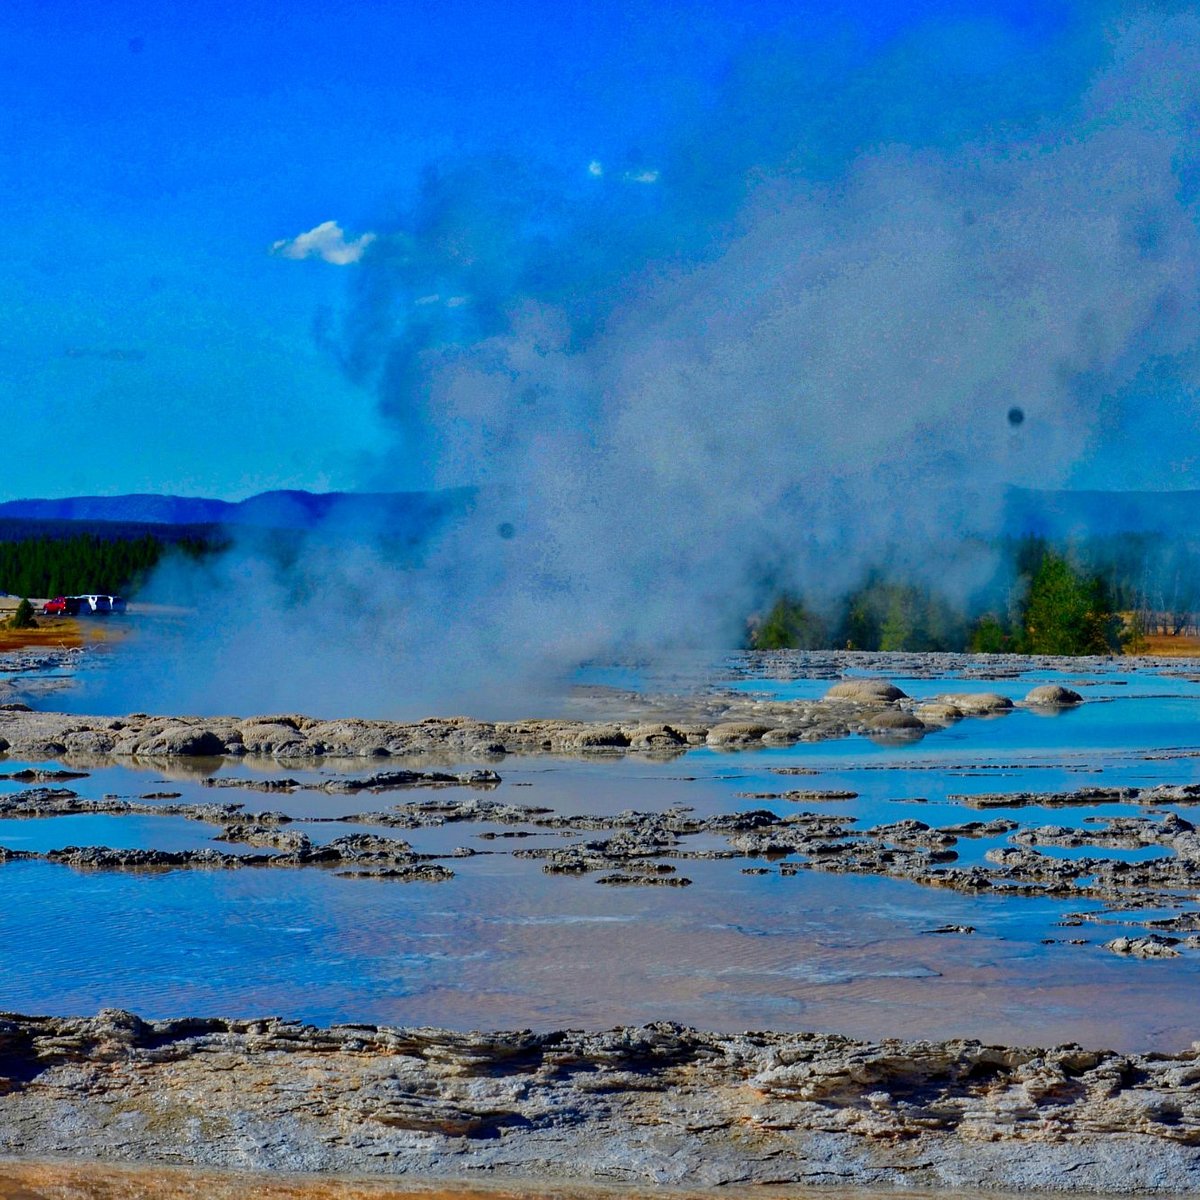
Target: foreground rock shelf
(654, 1105)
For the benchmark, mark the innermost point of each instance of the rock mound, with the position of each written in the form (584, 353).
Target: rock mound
(939, 713)
(865, 691)
(737, 733)
(1053, 695)
(974, 704)
(895, 719)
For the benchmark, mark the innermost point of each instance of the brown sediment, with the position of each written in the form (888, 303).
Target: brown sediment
(93, 1181)
(59, 633)
(1160, 645)
(64, 636)
(20, 1180)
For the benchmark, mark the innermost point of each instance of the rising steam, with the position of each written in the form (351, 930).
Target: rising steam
(785, 344)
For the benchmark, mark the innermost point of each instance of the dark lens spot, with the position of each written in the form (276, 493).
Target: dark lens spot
(506, 530)
(1016, 416)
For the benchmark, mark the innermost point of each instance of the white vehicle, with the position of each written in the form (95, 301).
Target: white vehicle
(97, 602)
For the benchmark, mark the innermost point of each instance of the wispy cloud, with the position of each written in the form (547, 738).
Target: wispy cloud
(327, 241)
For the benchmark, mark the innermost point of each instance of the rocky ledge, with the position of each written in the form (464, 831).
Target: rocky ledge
(725, 721)
(655, 1105)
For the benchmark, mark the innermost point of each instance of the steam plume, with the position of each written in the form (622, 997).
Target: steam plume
(784, 346)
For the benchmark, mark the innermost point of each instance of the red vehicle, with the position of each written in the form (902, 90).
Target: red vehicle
(61, 606)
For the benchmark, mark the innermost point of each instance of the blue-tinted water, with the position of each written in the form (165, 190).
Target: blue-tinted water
(504, 944)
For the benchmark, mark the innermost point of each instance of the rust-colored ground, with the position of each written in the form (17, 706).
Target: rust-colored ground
(70, 1181)
(55, 632)
(1165, 646)
(52, 635)
(87, 1181)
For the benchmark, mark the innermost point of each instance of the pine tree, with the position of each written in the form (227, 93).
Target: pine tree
(23, 617)
(1067, 612)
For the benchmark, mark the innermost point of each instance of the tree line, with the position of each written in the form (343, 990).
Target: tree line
(87, 562)
(1044, 599)
(1098, 596)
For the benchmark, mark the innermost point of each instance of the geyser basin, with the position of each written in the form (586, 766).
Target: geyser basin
(790, 945)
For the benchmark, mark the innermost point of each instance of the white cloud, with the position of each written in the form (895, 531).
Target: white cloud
(645, 176)
(327, 241)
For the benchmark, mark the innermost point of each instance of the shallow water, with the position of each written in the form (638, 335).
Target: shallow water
(505, 945)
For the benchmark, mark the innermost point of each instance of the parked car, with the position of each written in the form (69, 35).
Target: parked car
(62, 606)
(93, 602)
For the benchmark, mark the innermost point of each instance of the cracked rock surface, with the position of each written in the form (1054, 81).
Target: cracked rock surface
(657, 1104)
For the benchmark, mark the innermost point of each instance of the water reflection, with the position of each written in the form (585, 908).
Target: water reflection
(504, 945)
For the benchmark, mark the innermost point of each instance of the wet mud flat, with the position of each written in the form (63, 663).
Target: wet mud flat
(658, 1105)
(913, 882)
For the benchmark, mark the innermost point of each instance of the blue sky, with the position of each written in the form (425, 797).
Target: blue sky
(154, 152)
(151, 154)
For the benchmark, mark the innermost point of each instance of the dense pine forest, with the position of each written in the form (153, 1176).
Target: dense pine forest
(53, 564)
(1094, 596)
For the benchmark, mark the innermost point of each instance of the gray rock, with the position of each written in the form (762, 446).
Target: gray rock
(977, 703)
(737, 733)
(865, 691)
(648, 1106)
(1053, 695)
(1152, 945)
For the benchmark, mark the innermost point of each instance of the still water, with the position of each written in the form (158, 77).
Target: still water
(503, 944)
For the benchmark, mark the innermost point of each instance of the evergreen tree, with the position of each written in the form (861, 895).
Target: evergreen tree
(1068, 612)
(62, 566)
(897, 631)
(23, 617)
(789, 626)
(989, 636)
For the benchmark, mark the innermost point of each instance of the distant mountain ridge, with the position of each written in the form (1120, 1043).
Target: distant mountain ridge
(1057, 515)
(293, 510)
